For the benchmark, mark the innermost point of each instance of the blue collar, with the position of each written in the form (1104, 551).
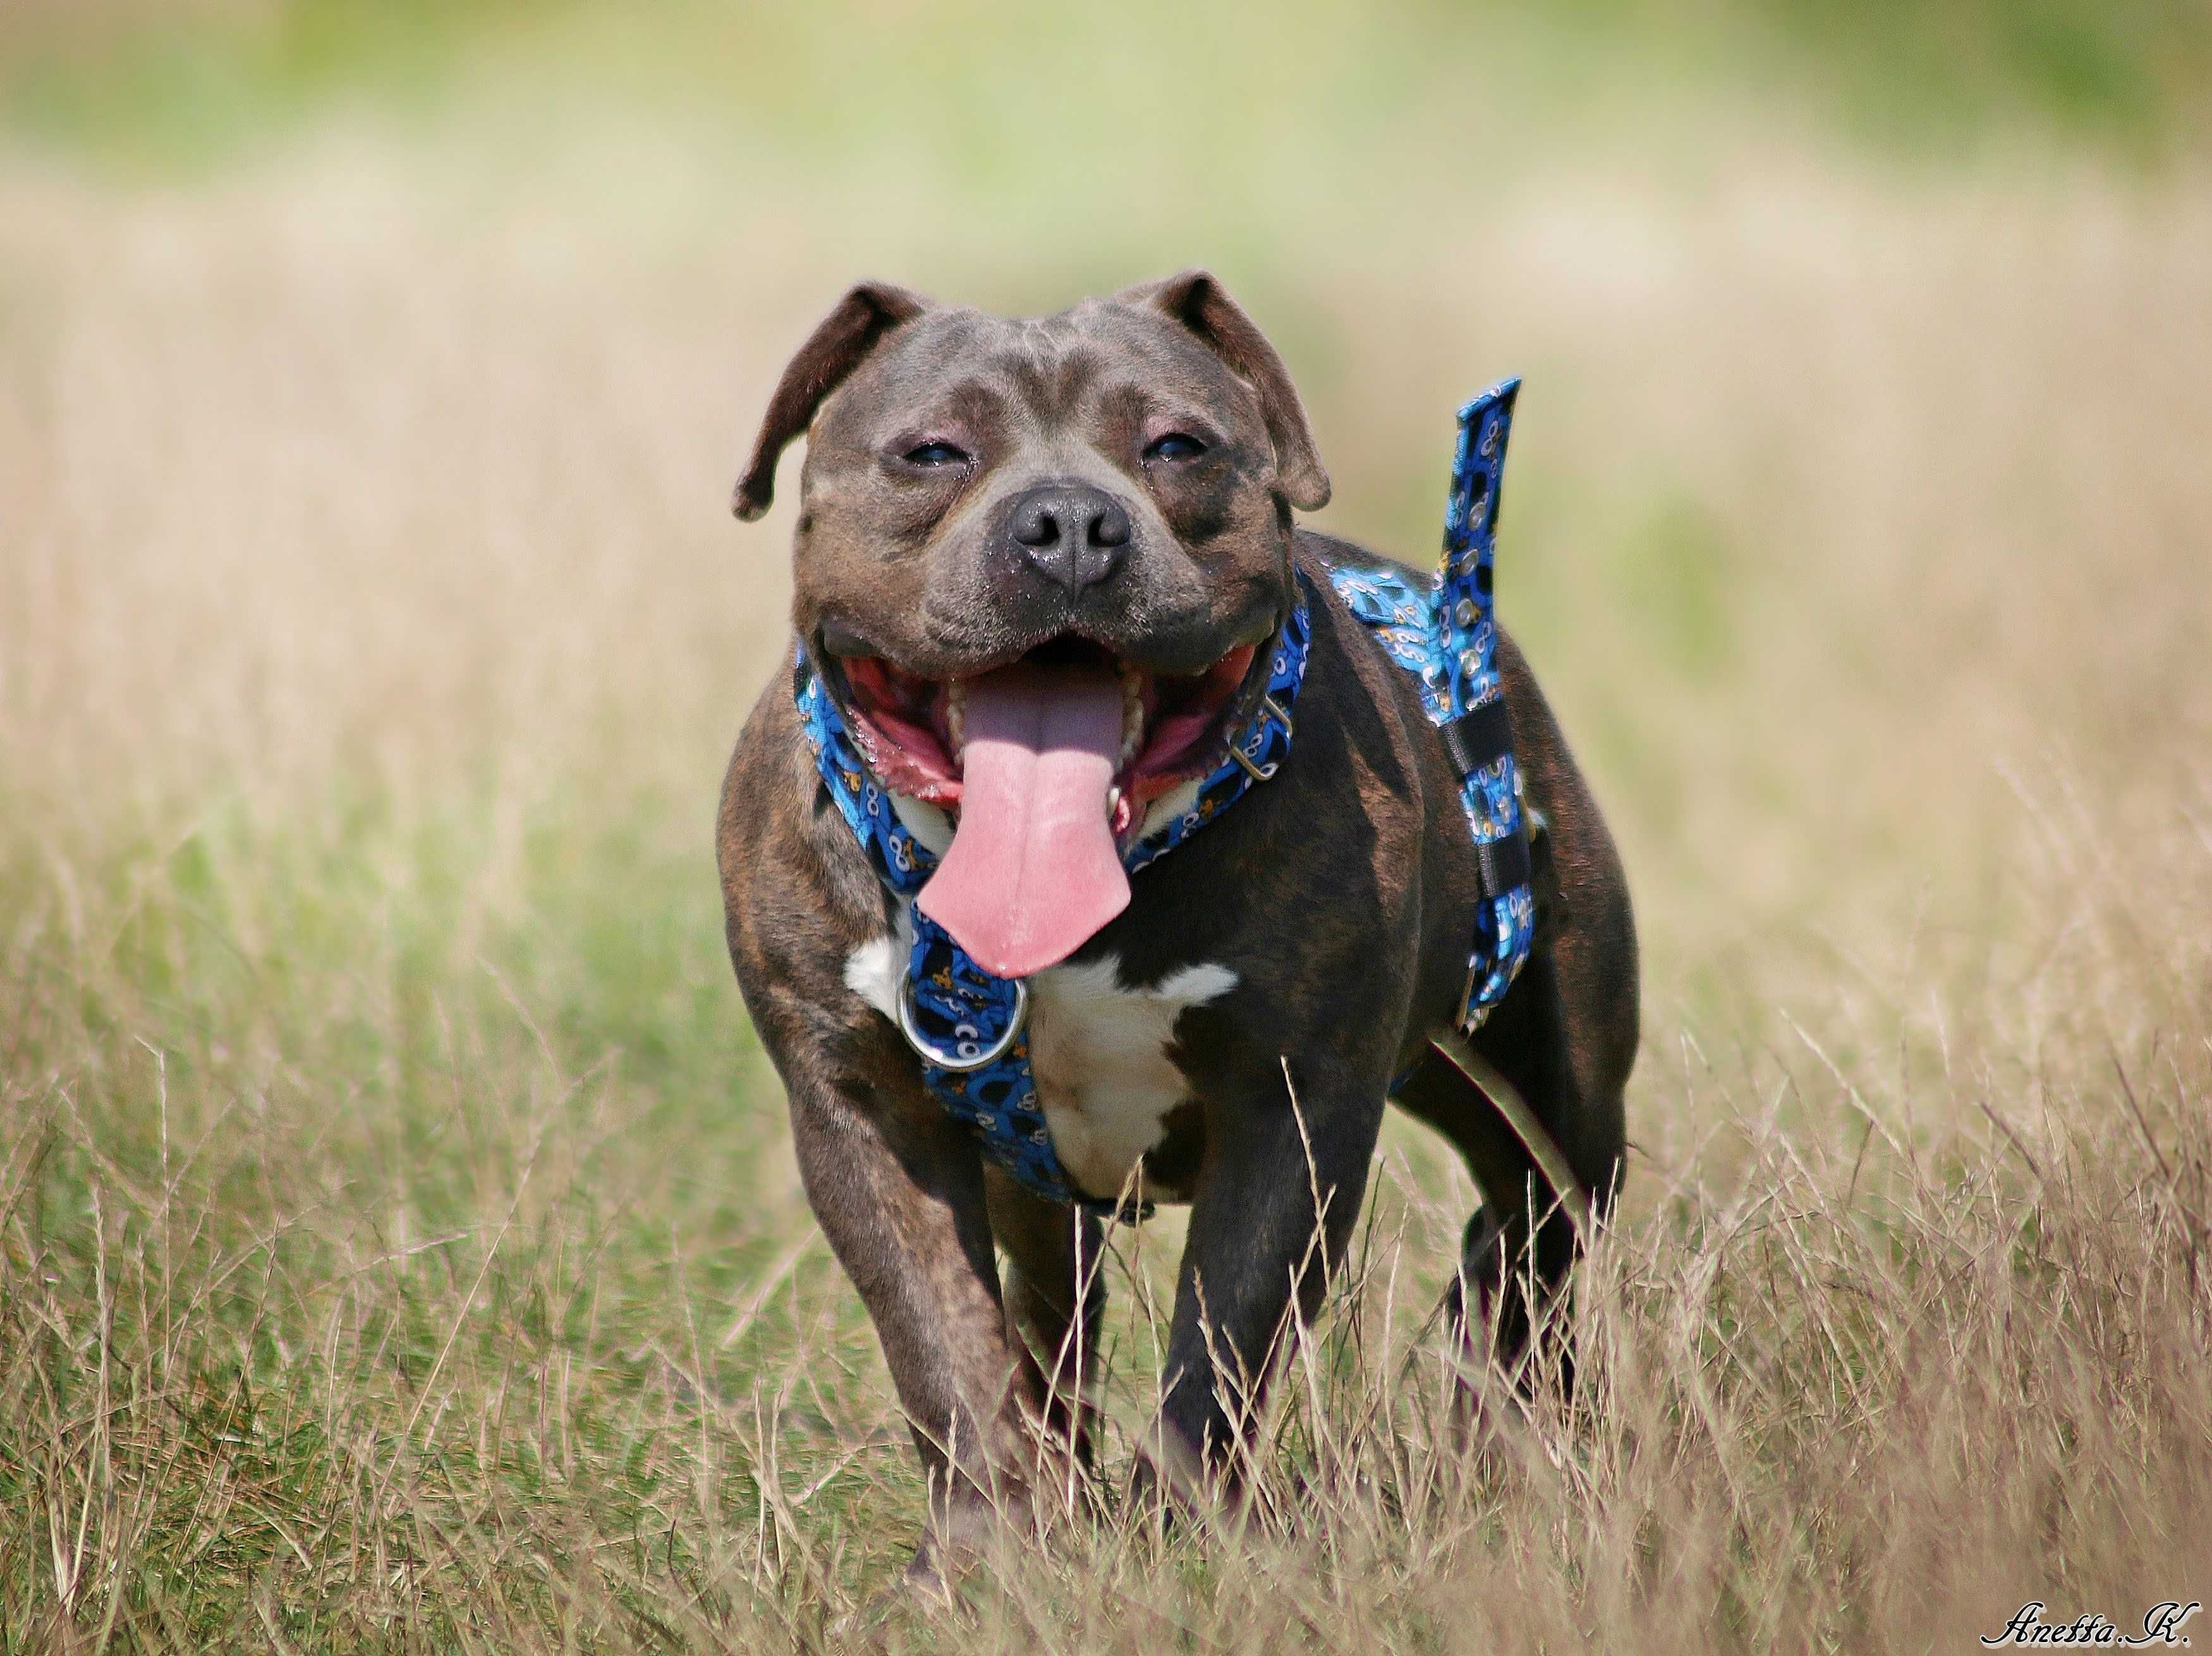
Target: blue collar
(967, 1026)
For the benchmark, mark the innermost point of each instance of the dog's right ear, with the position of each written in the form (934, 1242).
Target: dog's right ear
(827, 358)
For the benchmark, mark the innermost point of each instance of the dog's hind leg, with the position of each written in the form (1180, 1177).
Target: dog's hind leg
(1055, 1293)
(1521, 1243)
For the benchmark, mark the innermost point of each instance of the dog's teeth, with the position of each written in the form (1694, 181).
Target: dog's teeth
(1132, 713)
(955, 715)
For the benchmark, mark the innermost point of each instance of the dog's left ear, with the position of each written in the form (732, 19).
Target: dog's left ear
(1202, 304)
(824, 362)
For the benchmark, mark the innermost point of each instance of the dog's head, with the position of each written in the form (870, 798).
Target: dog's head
(1053, 537)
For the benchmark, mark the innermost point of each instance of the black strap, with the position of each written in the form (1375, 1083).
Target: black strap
(1505, 864)
(1480, 737)
(1476, 740)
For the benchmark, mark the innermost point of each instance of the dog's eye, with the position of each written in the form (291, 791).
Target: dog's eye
(936, 454)
(1176, 445)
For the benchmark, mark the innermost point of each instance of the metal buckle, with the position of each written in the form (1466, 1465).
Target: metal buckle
(1237, 749)
(960, 1063)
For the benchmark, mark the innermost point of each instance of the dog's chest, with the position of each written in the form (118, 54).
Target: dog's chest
(1099, 1050)
(1104, 1075)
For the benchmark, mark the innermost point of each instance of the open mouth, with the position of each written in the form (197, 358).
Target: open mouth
(1047, 765)
(914, 730)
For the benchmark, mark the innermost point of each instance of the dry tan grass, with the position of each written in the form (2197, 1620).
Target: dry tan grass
(399, 1246)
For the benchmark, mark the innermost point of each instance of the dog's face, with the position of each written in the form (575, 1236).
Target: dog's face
(1110, 487)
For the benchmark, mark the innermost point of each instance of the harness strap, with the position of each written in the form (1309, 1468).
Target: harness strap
(1445, 635)
(1505, 863)
(1478, 738)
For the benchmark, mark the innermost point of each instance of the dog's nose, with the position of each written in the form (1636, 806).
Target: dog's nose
(1071, 532)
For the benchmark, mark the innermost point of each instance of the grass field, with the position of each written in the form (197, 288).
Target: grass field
(400, 1246)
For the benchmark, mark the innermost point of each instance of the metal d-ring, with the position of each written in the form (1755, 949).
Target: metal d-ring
(959, 1063)
(1236, 750)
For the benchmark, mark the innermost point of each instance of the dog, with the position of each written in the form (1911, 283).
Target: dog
(1040, 566)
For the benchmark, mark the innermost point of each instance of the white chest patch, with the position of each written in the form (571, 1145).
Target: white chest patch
(1098, 1047)
(1103, 1074)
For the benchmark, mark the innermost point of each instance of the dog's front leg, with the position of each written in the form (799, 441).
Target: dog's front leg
(898, 1189)
(1284, 1174)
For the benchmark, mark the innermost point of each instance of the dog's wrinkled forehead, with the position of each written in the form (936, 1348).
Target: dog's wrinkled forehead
(965, 372)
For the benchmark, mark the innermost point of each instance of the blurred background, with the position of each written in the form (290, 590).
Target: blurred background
(373, 630)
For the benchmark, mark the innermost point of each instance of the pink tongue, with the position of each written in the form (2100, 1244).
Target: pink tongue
(1032, 874)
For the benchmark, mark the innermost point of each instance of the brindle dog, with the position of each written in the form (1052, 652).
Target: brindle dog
(1105, 497)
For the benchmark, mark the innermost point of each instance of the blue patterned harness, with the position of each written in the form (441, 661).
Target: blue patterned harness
(967, 1026)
